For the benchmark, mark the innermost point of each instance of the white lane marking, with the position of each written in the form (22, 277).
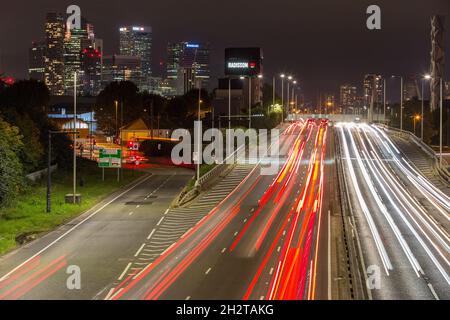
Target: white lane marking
(139, 250)
(433, 292)
(131, 213)
(271, 271)
(188, 298)
(109, 293)
(208, 271)
(74, 227)
(166, 212)
(224, 249)
(236, 233)
(151, 234)
(261, 298)
(160, 220)
(278, 249)
(137, 207)
(116, 293)
(329, 255)
(124, 271)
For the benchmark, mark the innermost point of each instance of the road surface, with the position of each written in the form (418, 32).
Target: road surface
(99, 243)
(267, 240)
(402, 219)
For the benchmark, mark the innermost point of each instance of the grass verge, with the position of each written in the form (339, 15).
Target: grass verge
(27, 218)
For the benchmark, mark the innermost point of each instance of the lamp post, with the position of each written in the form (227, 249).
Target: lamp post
(440, 123)
(401, 100)
(273, 91)
(384, 100)
(425, 77)
(116, 103)
(74, 137)
(229, 103)
(199, 134)
(282, 76)
(49, 164)
(288, 96)
(415, 118)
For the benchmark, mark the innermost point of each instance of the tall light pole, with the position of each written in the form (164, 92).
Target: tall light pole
(199, 138)
(293, 93)
(401, 100)
(273, 91)
(74, 137)
(384, 100)
(282, 76)
(249, 102)
(116, 103)
(425, 77)
(440, 124)
(288, 96)
(229, 103)
(401, 104)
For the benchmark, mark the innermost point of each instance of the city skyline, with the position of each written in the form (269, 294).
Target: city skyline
(356, 50)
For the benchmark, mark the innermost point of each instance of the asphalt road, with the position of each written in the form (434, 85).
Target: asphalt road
(98, 244)
(402, 219)
(267, 240)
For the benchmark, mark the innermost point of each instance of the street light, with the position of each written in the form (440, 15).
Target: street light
(282, 76)
(425, 77)
(415, 118)
(401, 100)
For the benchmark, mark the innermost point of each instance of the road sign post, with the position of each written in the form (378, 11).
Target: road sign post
(110, 158)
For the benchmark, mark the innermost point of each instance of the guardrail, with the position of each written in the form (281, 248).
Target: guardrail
(39, 174)
(441, 169)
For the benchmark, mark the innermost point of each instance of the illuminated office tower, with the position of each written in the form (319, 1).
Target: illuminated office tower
(348, 98)
(75, 41)
(91, 71)
(136, 41)
(54, 53)
(36, 61)
(187, 66)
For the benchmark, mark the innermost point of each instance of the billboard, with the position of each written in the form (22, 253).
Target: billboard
(243, 62)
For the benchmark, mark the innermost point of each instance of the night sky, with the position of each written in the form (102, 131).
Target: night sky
(323, 42)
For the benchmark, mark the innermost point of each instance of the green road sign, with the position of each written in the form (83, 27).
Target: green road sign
(110, 158)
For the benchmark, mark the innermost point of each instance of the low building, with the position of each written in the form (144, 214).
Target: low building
(138, 130)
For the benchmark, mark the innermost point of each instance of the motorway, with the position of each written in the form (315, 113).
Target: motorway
(267, 240)
(99, 243)
(402, 219)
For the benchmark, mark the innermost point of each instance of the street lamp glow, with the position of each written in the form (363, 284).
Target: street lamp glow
(427, 77)
(295, 82)
(282, 75)
(260, 76)
(290, 77)
(241, 77)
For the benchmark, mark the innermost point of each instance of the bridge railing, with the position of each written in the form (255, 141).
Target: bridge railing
(443, 169)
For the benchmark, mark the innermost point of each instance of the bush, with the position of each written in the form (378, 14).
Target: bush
(10, 167)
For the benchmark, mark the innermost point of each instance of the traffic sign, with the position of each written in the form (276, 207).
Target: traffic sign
(110, 158)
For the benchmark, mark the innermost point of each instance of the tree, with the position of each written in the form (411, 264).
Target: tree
(23, 105)
(10, 166)
(126, 94)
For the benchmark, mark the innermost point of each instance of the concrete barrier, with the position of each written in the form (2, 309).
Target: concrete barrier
(34, 176)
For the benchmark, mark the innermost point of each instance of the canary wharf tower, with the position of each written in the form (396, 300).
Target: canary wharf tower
(137, 41)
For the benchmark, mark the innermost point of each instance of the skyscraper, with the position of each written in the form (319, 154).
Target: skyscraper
(347, 98)
(54, 58)
(411, 88)
(373, 87)
(121, 68)
(187, 58)
(136, 41)
(36, 61)
(91, 71)
(75, 41)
